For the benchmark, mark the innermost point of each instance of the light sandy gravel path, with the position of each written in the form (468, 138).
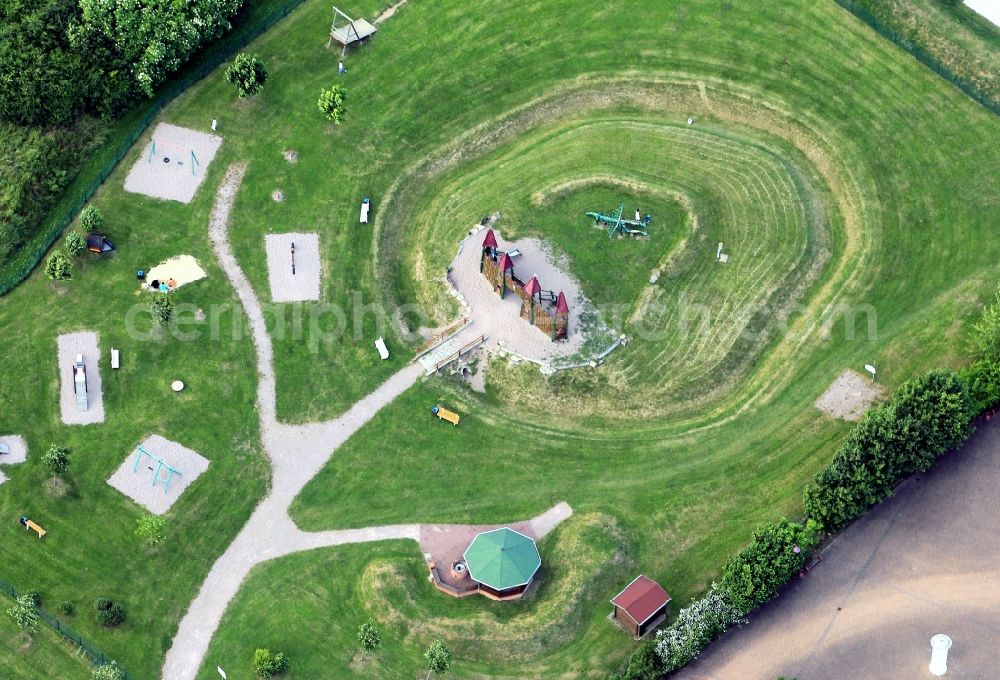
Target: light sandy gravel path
(297, 453)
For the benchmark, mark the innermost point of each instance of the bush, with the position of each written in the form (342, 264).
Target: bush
(75, 243)
(754, 575)
(163, 308)
(24, 613)
(91, 219)
(57, 267)
(109, 671)
(982, 378)
(247, 73)
(56, 459)
(66, 608)
(266, 666)
(151, 528)
(696, 626)
(438, 658)
(35, 597)
(925, 417)
(331, 103)
(368, 637)
(110, 614)
(644, 664)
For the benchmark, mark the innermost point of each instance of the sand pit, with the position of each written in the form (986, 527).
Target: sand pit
(18, 452)
(173, 165)
(182, 269)
(850, 395)
(138, 485)
(303, 284)
(70, 345)
(500, 319)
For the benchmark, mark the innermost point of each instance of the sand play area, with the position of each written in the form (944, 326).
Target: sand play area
(850, 395)
(173, 165)
(500, 319)
(293, 266)
(182, 269)
(17, 452)
(137, 480)
(70, 345)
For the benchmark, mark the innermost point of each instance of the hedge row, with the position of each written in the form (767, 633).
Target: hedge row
(923, 419)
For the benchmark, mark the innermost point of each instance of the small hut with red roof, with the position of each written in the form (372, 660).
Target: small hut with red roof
(542, 308)
(641, 607)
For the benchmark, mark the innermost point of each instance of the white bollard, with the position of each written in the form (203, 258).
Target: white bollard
(215, 124)
(940, 644)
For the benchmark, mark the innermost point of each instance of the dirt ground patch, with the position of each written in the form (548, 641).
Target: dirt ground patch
(149, 492)
(850, 395)
(173, 164)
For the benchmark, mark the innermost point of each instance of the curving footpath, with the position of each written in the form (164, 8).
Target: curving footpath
(297, 454)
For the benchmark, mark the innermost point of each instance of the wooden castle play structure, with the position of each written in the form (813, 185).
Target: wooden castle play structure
(544, 309)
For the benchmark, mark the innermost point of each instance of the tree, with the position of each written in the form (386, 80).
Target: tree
(154, 38)
(57, 267)
(247, 73)
(369, 638)
(110, 671)
(331, 103)
(24, 613)
(163, 308)
(56, 459)
(438, 658)
(266, 666)
(75, 243)
(152, 529)
(91, 218)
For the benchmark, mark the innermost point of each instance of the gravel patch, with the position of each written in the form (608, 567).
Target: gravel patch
(500, 319)
(139, 485)
(168, 172)
(304, 283)
(18, 452)
(70, 345)
(850, 395)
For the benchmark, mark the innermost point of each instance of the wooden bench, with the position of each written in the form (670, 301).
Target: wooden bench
(31, 526)
(444, 414)
(810, 565)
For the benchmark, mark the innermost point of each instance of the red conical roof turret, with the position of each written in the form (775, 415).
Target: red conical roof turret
(505, 262)
(532, 287)
(561, 306)
(490, 241)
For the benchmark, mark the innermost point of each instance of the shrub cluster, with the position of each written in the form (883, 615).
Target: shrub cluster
(923, 419)
(696, 626)
(267, 666)
(109, 614)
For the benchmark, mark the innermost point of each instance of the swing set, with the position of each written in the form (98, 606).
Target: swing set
(166, 159)
(161, 465)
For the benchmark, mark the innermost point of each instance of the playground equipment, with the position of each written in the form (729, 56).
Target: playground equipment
(161, 465)
(365, 205)
(444, 414)
(348, 31)
(544, 309)
(293, 258)
(166, 146)
(616, 225)
(31, 526)
(99, 243)
(80, 383)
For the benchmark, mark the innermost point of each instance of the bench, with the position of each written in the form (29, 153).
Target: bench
(810, 565)
(444, 414)
(115, 358)
(365, 206)
(383, 351)
(31, 526)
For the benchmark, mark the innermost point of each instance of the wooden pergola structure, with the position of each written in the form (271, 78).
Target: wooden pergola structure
(347, 31)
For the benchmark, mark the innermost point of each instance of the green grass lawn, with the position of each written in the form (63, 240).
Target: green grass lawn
(45, 651)
(838, 171)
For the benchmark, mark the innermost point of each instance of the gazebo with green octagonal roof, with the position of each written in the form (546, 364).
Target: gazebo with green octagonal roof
(502, 562)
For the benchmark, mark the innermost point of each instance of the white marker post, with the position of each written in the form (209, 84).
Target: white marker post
(870, 369)
(215, 124)
(940, 644)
